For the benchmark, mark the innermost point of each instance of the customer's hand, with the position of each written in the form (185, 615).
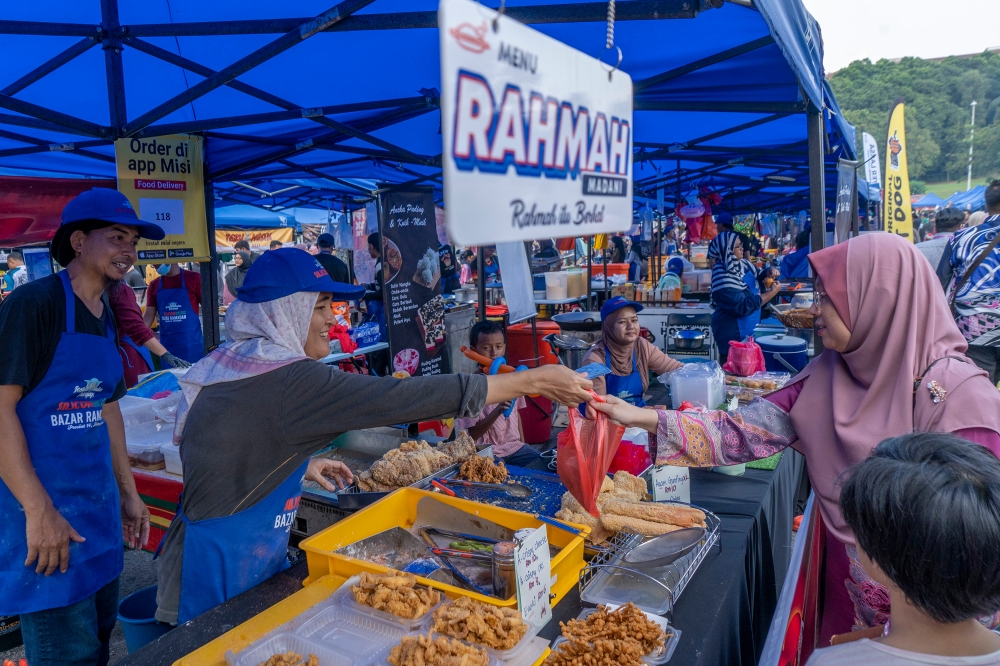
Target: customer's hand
(560, 384)
(48, 535)
(175, 362)
(135, 520)
(628, 415)
(321, 470)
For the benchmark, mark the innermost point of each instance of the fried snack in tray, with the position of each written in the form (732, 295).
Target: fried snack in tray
(290, 659)
(483, 470)
(605, 638)
(438, 651)
(413, 461)
(394, 592)
(675, 514)
(484, 624)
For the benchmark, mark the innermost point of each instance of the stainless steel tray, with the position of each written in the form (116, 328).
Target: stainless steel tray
(608, 579)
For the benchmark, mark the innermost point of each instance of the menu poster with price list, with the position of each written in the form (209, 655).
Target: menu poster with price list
(163, 179)
(533, 572)
(411, 271)
(671, 484)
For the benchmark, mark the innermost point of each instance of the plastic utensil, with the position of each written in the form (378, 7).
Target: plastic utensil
(558, 524)
(465, 554)
(512, 489)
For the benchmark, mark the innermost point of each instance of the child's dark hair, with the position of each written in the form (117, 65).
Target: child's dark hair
(926, 509)
(485, 327)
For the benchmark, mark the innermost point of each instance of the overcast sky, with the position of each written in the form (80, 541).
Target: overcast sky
(856, 29)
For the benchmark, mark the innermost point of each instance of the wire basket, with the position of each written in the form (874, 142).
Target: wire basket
(796, 318)
(607, 575)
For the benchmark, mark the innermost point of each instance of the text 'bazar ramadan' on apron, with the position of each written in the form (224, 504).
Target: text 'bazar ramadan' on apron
(71, 452)
(180, 327)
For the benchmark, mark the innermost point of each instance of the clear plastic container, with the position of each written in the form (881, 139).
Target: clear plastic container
(264, 649)
(360, 637)
(655, 658)
(345, 598)
(506, 656)
(383, 658)
(557, 286)
(172, 458)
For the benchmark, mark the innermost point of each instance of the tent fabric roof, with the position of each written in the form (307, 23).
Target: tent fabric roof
(720, 93)
(929, 201)
(252, 217)
(974, 199)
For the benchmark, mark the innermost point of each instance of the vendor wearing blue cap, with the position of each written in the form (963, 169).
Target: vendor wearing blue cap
(67, 495)
(629, 355)
(280, 405)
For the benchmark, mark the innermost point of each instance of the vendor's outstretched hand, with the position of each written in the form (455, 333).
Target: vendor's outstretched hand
(321, 470)
(626, 414)
(174, 362)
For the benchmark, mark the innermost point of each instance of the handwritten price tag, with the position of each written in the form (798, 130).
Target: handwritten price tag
(672, 484)
(533, 571)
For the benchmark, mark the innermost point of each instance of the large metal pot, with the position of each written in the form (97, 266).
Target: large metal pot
(467, 294)
(570, 350)
(578, 321)
(688, 339)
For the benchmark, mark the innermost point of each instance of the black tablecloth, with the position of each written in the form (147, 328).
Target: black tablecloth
(723, 614)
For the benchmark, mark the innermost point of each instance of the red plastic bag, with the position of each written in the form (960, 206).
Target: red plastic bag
(338, 332)
(745, 358)
(585, 450)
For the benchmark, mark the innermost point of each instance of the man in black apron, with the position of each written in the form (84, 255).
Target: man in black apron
(67, 495)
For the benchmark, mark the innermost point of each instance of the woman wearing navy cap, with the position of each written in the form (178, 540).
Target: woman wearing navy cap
(67, 495)
(242, 483)
(629, 356)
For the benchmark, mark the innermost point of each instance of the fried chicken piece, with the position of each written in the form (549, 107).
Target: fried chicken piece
(629, 486)
(483, 470)
(408, 464)
(290, 659)
(460, 449)
(440, 651)
(615, 523)
(597, 533)
(624, 623)
(672, 514)
(394, 592)
(607, 485)
(369, 485)
(484, 624)
(599, 653)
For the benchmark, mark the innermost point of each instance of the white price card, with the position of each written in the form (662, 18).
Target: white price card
(672, 484)
(534, 577)
(167, 213)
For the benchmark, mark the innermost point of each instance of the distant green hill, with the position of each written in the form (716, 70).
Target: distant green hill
(945, 190)
(937, 95)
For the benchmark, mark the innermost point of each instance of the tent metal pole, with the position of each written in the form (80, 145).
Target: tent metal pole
(44, 28)
(42, 113)
(481, 277)
(210, 277)
(291, 38)
(50, 65)
(590, 273)
(41, 145)
(713, 59)
(35, 123)
(726, 107)
(112, 46)
(817, 189)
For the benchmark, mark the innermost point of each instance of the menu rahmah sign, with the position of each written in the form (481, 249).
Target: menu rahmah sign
(537, 136)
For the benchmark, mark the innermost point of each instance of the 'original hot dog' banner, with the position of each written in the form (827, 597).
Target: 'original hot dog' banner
(537, 138)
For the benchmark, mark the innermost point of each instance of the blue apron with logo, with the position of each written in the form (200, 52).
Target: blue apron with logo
(749, 323)
(146, 355)
(228, 555)
(70, 450)
(180, 327)
(629, 387)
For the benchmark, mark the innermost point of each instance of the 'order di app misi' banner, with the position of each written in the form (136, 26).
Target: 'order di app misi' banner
(163, 178)
(537, 139)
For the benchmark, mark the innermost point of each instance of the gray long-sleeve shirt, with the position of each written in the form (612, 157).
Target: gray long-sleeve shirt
(243, 439)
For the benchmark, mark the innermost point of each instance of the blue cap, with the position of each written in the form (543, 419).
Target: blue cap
(111, 206)
(615, 304)
(289, 270)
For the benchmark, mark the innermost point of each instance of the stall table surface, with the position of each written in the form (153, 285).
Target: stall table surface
(723, 614)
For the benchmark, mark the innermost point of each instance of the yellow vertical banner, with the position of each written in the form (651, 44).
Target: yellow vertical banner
(163, 177)
(898, 214)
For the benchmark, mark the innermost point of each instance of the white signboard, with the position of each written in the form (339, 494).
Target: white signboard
(872, 165)
(672, 484)
(537, 139)
(518, 290)
(533, 571)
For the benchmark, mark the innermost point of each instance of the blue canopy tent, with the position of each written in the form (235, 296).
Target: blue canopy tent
(974, 199)
(929, 201)
(303, 104)
(252, 217)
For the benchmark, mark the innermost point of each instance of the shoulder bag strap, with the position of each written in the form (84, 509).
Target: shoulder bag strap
(972, 269)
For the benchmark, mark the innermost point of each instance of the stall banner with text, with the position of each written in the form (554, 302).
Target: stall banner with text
(873, 173)
(898, 213)
(537, 139)
(163, 178)
(847, 185)
(259, 240)
(411, 270)
(672, 484)
(533, 573)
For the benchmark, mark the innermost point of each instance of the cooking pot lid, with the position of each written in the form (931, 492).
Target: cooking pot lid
(785, 343)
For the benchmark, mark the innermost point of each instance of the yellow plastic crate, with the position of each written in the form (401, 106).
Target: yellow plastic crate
(400, 510)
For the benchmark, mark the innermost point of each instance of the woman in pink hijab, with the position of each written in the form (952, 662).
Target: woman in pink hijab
(894, 363)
